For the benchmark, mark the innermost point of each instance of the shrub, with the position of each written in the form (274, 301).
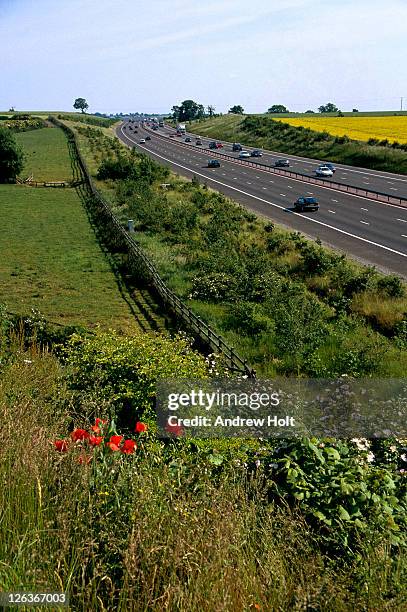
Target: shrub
(11, 157)
(391, 285)
(213, 287)
(248, 318)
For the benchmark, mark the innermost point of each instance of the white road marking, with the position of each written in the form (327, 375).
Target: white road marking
(332, 211)
(289, 186)
(264, 187)
(310, 219)
(403, 235)
(402, 220)
(283, 194)
(365, 223)
(334, 200)
(310, 192)
(248, 182)
(366, 209)
(393, 188)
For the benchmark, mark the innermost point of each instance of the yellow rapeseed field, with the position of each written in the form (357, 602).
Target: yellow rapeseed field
(358, 128)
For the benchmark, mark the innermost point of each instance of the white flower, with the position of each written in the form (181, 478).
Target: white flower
(370, 457)
(257, 463)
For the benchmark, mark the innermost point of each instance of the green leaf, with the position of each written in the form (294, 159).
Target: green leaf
(216, 459)
(343, 514)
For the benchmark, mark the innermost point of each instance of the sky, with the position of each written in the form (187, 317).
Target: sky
(132, 55)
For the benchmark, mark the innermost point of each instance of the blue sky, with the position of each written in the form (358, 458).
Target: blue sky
(128, 55)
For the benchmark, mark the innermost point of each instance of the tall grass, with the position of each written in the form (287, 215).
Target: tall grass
(153, 535)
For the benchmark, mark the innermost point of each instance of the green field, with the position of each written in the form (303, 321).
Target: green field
(51, 261)
(47, 157)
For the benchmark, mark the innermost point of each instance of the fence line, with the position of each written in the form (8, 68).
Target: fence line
(140, 263)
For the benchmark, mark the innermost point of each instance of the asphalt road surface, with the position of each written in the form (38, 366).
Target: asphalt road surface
(376, 180)
(372, 232)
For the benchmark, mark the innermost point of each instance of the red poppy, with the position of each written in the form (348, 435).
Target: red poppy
(100, 422)
(61, 445)
(140, 427)
(129, 446)
(95, 440)
(113, 447)
(174, 430)
(79, 434)
(116, 439)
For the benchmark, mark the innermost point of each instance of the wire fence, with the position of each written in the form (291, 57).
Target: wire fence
(140, 264)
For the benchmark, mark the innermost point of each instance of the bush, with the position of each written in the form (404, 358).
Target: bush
(213, 287)
(392, 286)
(11, 157)
(115, 169)
(124, 370)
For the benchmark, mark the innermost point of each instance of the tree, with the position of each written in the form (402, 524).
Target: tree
(236, 110)
(188, 111)
(355, 110)
(11, 157)
(278, 108)
(211, 110)
(80, 103)
(328, 108)
(309, 111)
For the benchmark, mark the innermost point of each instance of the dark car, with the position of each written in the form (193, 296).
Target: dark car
(302, 204)
(187, 139)
(237, 146)
(282, 163)
(212, 145)
(148, 137)
(198, 141)
(256, 153)
(213, 163)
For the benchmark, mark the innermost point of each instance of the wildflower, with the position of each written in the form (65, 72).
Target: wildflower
(370, 457)
(61, 445)
(113, 447)
(140, 427)
(257, 463)
(175, 430)
(96, 426)
(79, 434)
(95, 440)
(129, 446)
(116, 440)
(403, 457)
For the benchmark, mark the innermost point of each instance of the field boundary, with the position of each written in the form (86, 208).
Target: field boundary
(304, 178)
(140, 264)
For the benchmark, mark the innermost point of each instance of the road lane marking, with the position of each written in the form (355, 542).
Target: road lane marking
(404, 235)
(402, 220)
(366, 209)
(333, 188)
(283, 194)
(334, 200)
(365, 223)
(332, 211)
(310, 219)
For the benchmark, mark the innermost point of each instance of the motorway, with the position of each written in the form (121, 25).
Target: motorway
(370, 231)
(375, 180)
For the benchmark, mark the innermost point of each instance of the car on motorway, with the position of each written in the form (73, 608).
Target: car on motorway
(198, 141)
(148, 137)
(213, 163)
(282, 163)
(244, 154)
(331, 167)
(142, 141)
(172, 136)
(304, 203)
(212, 145)
(256, 153)
(237, 146)
(187, 139)
(219, 145)
(324, 171)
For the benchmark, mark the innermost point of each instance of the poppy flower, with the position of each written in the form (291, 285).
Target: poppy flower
(98, 423)
(174, 430)
(95, 440)
(140, 427)
(116, 439)
(79, 434)
(129, 446)
(61, 445)
(113, 447)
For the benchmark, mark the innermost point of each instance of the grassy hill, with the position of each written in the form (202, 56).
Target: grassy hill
(271, 133)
